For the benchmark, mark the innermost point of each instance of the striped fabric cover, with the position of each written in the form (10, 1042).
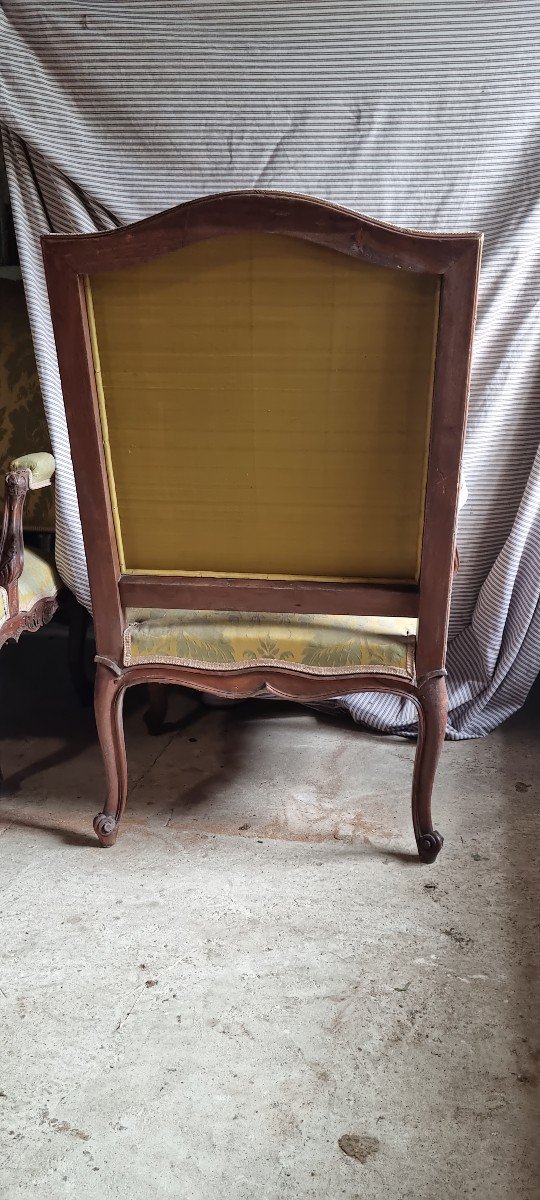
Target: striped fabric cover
(424, 114)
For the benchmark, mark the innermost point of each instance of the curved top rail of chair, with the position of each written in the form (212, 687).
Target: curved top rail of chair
(293, 215)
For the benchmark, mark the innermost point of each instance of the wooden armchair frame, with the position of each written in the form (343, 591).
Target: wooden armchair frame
(18, 482)
(455, 260)
(27, 474)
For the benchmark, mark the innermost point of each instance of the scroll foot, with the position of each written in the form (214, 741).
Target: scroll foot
(106, 829)
(429, 846)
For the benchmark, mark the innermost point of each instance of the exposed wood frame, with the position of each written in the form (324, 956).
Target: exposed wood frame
(272, 595)
(17, 484)
(454, 259)
(29, 622)
(12, 552)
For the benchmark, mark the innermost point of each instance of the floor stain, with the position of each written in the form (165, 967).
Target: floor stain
(65, 1127)
(358, 1147)
(460, 939)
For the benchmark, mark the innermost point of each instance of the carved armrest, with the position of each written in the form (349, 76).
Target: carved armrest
(41, 467)
(26, 474)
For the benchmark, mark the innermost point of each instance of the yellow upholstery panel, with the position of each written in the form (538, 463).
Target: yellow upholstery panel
(266, 407)
(39, 581)
(230, 640)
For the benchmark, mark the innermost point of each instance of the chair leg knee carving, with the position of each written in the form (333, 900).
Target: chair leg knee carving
(109, 702)
(432, 700)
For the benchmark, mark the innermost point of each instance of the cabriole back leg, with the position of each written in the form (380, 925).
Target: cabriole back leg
(433, 709)
(158, 698)
(79, 620)
(109, 701)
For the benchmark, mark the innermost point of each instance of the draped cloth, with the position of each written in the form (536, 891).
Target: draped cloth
(422, 114)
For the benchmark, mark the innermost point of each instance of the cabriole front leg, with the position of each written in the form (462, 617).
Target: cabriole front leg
(108, 702)
(432, 702)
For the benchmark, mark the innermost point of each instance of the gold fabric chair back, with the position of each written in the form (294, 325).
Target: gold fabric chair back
(266, 400)
(266, 407)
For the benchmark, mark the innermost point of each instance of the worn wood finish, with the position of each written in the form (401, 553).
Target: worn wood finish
(109, 700)
(111, 684)
(449, 415)
(17, 484)
(12, 563)
(29, 622)
(68, 308)
(455, 260)
(432, 703)
(272, 595)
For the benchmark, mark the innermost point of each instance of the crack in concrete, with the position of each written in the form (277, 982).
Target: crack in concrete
(123, 1020)
(195, 714)
(151, 765)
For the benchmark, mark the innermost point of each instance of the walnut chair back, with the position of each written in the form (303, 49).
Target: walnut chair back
(266, 400)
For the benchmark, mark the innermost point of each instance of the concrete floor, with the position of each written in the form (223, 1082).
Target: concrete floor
(260, 967)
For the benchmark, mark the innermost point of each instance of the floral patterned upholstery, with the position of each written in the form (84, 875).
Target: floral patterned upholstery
(22, 416)
(39, 581)
(230, 640)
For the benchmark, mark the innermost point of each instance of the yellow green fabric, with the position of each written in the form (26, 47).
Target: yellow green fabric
(41, 466)
(265, 405)
(22, 416)
(231, 640)
(39, 580)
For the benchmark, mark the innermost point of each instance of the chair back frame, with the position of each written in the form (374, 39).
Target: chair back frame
(455, 259)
